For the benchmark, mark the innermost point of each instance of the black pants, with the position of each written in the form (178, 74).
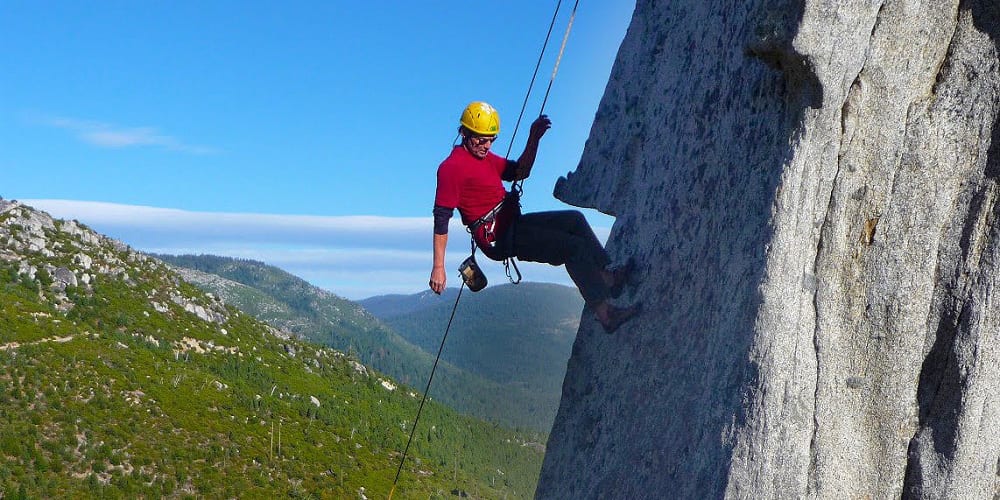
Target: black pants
(563, 237)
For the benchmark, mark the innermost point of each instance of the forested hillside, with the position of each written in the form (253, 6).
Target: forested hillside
(120, 380)
(488, 379)
(517, 335)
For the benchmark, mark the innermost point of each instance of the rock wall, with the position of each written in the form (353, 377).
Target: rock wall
(810, 189)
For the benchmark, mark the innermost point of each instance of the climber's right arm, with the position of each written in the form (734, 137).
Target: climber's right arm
(438, 276)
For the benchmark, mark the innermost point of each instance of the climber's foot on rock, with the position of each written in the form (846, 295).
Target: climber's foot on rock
(611, 317)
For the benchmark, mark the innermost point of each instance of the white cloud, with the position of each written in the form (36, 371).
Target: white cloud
(352, 256)
(149, 225)
(107, 135)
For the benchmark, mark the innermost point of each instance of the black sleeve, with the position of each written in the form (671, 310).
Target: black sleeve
(510, 173)
(441, 217)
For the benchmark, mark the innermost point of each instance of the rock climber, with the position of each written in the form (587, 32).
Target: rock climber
(470, 179)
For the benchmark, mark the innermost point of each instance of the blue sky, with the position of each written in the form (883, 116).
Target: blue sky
(304, 134)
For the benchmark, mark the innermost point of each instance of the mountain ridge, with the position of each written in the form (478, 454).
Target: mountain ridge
(318, 316)
(389, 305)
(519, 334)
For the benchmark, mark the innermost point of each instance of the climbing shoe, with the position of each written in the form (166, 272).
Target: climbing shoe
(619, 315)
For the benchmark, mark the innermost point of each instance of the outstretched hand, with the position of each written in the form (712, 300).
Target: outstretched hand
(438, 280)
(539, 127)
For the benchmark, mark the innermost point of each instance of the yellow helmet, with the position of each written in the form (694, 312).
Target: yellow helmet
(481, 118)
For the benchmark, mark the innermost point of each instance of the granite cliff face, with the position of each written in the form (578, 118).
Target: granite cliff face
(811, 191)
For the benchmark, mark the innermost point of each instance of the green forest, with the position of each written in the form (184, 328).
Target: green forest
(504, 359)
(118, 387)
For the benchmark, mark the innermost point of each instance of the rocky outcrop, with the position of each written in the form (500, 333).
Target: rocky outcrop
(810, 189)
(66, 260)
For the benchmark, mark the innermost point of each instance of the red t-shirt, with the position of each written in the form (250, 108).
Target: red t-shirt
(471, 185)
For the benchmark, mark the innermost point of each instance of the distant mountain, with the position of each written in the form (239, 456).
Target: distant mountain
(118, 379)
(517, 335)
(292, 304)
(388, 306)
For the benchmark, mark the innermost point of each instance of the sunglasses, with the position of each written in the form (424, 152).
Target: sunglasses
(479, 140)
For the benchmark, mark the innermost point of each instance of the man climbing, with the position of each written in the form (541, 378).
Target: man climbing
(470, 179)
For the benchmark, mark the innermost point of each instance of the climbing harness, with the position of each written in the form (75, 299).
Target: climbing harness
(484, 229)
(490, 231)
(487, 227)
(494, 232)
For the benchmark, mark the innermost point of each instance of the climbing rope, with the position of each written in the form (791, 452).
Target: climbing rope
(534, 75)
(420, 409)
(518, 186)
(562, 49)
